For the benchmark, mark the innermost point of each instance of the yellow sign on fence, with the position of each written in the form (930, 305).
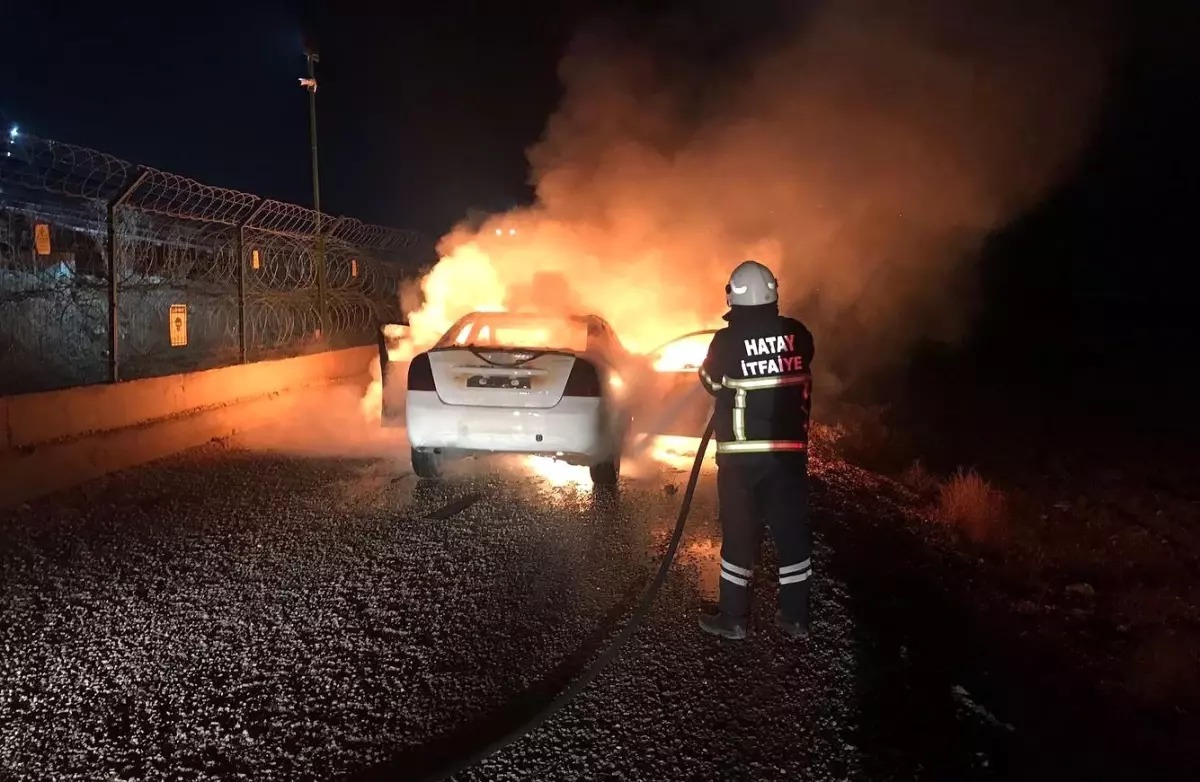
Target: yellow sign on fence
(255, 260)
(41, 238)
(353, 267)
(179, 337)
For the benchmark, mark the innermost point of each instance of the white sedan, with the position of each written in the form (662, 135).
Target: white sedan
(505, 382)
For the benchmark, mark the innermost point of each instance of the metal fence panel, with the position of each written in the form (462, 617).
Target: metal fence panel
(111, 271)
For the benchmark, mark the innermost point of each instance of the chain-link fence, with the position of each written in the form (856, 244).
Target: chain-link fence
(111, 271)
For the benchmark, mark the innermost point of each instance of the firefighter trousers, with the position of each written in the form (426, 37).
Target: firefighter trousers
(753, 491)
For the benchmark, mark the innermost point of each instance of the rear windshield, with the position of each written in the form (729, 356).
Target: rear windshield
(506, 330)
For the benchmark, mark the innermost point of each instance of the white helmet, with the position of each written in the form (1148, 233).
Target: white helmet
(751, 284)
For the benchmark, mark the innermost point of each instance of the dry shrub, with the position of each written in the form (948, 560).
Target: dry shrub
(865, 438)
(919, 480)
(970, 503)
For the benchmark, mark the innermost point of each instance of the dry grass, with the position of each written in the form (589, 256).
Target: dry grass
(861, 434)
(970, 503)
(920, 480)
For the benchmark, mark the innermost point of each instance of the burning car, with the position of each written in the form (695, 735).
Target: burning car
(519, 383)
(673, 377)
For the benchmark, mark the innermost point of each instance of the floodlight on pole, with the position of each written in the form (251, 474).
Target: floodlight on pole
(310, 84)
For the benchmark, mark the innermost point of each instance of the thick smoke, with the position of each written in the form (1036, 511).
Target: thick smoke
(864, 149)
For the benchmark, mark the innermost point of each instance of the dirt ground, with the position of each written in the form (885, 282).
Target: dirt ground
(1080, 564)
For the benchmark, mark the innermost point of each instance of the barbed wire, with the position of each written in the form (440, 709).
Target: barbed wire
(284, 218)
(360, 234)
(171, 195)
(70, 170)
(242, 268)
(65, 169)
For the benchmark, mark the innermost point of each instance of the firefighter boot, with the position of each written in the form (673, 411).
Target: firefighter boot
(724, 626)
(733, 608)
(797, 631)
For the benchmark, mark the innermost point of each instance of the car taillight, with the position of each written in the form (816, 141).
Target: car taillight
(420, 374)
(583, 381)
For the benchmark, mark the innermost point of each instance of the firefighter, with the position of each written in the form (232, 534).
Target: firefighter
(759, 369)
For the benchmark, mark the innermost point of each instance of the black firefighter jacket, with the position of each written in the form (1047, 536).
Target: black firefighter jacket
(759, 369)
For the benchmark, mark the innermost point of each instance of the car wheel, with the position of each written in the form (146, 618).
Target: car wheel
(426, 464)
(605, 473)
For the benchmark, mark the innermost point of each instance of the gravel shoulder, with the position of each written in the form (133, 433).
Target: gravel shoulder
(235, 612)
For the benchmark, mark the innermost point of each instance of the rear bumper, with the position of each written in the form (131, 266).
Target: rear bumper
(574, 428)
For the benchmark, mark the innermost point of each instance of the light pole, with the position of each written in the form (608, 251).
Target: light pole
(310, 84)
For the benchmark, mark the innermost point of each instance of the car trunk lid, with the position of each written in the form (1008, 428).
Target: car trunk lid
(501, 377)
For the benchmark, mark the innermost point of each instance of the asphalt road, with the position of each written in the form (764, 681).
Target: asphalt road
(239, 612)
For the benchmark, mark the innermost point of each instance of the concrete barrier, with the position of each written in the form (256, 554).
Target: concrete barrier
(53, 440)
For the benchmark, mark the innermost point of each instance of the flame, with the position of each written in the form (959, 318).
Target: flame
(399, 344)
(858, 159)
(372, 398)
(468, 279)
(556, 473)
(684, 355)
(463, 282)
(523, 330)
(549, 267)
(679, 452)
(400, 348)
(672, 451)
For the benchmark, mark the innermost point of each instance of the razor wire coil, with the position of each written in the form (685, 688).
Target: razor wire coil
(244, 267)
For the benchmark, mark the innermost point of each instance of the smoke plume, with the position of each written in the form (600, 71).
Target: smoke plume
(861, 148)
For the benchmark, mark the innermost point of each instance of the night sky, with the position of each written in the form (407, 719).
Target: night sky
(426, 109)
(423, 112)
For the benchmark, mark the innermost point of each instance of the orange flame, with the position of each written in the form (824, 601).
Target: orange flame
(679, 452)
(556, 473)
(553, 268)
(685, 355)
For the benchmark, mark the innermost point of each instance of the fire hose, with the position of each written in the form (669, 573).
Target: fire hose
(609, 654)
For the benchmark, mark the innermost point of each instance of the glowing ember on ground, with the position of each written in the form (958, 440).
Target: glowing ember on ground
(707, 553)
(679, 451)
(557, 473)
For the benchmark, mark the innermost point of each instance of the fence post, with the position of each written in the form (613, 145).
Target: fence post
(319, 249)
(241, 254)
(322, 301)
(114, 321)
(327, 228)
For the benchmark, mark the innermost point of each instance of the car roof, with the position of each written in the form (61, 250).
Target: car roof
(528, 314)
(577, 317)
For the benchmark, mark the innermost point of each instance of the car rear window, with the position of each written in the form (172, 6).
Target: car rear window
(504, 330)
